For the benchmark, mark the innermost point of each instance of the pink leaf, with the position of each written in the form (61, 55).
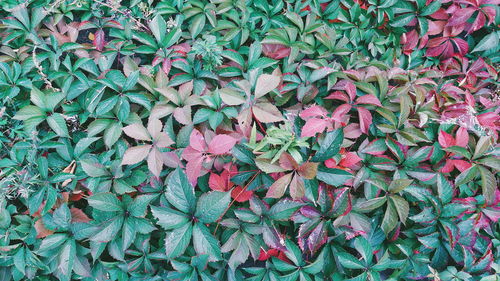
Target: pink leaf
(193, 170)
(313, 126)
(462, 138)
(313, 111)
(365, 119)
(190, 154)
(338, 95)
(99, 40)
(341, 111)
(368, 99)
(197, 141)
(217, 183)
(445, 139)
(460, 16)
(221, 144)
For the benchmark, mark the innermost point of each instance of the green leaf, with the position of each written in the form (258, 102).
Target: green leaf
(489, 42)
(390, 219)
(403, 20)
(488, 184)
(139, 206)
(335, 177)
(284, 209)
(105, 201)
(28, 112)
(180, 193)
(58, 124)
(66, 259)
(205, 243)
(93, 168)
(399, 184)
(444, 189)
(330, 146)
(349, 261)
(212, 205)
(371, 204)
(62, 216)
(158, 27)
(402, 207)
(109, 229)
(430, 9)
(178, 240)
(169, 218)
(466, 176)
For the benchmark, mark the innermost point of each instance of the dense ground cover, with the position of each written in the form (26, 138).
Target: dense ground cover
(249, 140)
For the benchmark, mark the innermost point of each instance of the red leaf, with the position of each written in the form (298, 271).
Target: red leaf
(365, 119)
(368, 99)
(241, 195)
(313, 126)
(445, 139)
(99, 40)
(41, 230)
(217, 183)
(460, 16)
(77, 215)
(221, 144)
(350, 159)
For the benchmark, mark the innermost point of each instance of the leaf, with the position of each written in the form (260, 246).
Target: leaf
(335, 177)
(489, 42)
(169, 218)
(221, 144)
(136, 154)
(155, 161)
(179, 192)
(312, 127)
(265, 84)
(390, 219)
(349, 261)
(277, 189)
(105, 201)
(330, 146)
(178, 240)
(403, 20)
(140, 204)
(267, 113)
(58, 124)
(399, 185)
(488, 184)
(99, 40)
(284, 209)
(205, 243)
(444, 189)
(137, 131)
(371, 204)
(212, 205)
(158, 27)
(401, 206)
(93, 168)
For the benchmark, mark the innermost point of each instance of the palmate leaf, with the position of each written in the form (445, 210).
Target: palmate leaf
(180, 192)
(178, 240)
(212, 205)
